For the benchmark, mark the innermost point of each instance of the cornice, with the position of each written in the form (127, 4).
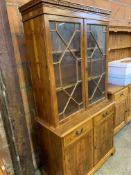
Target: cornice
(66, 4)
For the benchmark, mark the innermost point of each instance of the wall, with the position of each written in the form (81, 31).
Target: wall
(121, 9)
(22, 66)
(11, 103)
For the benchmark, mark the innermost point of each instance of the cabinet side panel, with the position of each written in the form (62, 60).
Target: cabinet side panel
(35, 42)
(51, 151)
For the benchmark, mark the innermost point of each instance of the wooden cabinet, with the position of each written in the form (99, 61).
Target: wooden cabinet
(67, 51)
(81, 146)
(120, 96)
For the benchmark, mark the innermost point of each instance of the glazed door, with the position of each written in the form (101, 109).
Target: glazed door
(79, 156)
(96, 53)
(65, 56)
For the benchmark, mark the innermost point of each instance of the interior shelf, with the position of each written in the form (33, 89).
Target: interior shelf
(68, 50)
(95, 76)
(68, 86)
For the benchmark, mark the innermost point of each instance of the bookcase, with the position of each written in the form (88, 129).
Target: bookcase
(67, 49)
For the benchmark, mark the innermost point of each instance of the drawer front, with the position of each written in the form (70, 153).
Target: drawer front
(121, 95)
(74, 135)
(104, 115)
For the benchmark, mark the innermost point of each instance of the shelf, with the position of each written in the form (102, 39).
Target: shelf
(67, 51)
(68, 86)
(125, 47)
(95, 77)
(73, 50)
(120, 29)
(97, 59)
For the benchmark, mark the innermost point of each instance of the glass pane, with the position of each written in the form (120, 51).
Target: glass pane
(77, 26)
(68, 68)
(71, 108)
(75, 45)
(78, 93)
(66, 52)
(89, 69)
(98, 32)
(96, 54)
(97, 96)
(102, 85)
(66, 30)
(79, 70)
(61, 103)
(96, 43)
(57, 44)
(52, 25)
(92, 42)
(97, 67)
(57, 75)
(91, 88)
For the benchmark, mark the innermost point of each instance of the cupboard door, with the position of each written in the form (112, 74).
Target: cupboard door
(79, 156)
(96, 60)
(66, 40)
(120, 112)
(129, 105)
(103, 137)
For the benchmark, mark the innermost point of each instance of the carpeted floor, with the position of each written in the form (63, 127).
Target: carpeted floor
(120, 163)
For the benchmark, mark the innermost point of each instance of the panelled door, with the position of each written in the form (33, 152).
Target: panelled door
(66, 63)
(79, 155)
(96, 53)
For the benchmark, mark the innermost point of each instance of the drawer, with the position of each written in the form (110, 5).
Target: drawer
(121, 95)
(80, 131)
(104, 115)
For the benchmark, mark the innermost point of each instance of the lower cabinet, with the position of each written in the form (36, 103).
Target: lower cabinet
(81, 149)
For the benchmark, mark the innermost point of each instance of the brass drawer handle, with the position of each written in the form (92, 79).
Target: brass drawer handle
(121, 94)
(105, 114)
(79, 132)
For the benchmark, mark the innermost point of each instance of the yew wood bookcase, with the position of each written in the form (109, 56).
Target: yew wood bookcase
(67, 50)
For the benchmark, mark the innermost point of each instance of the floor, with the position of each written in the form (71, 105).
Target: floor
(120, 163)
